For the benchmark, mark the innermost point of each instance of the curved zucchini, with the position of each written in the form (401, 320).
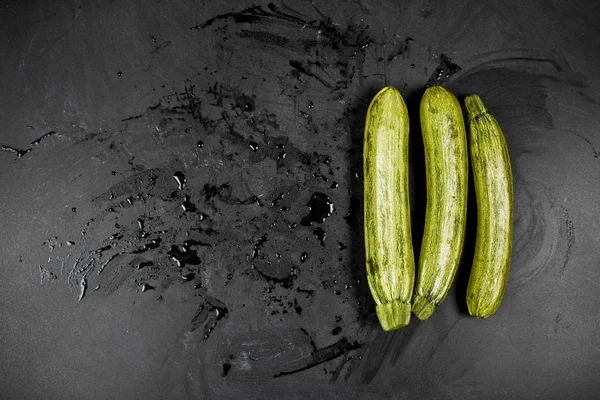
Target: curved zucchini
(388, 242)
(446, 168)
(494, 193)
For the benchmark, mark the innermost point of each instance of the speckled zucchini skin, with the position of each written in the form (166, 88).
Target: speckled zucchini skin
(388, 242)
(492, 175)
(446, 168)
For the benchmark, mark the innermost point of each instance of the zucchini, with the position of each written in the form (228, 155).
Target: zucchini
(388, 242)
(446, 169)
(492, 176)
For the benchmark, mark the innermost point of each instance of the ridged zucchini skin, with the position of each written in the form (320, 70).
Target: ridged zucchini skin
(446, 169)
(492, 176)
(388, 242)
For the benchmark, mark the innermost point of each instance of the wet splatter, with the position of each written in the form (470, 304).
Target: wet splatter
(400, 48)
(180, 233)
(320, 208)
(183, 255)
(443, 72)
(209, 313)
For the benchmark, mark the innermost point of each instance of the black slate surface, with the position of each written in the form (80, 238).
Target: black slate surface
(180, 199)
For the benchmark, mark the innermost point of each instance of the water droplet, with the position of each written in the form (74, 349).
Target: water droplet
(82, 288)
(303, 257)
(183, 256)
(258, 246)
(187, 205)
(320, 207)
(226, 368)
(144, 264)
(180, 178)
(281, 157)
(320, 234)
(189, 276)
(146, 287)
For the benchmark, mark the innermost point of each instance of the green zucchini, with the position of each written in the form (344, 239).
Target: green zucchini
(446, 169)
(388, 242)
(492, 176)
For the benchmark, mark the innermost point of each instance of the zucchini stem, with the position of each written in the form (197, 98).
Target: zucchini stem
(474, 106)
(394, 314)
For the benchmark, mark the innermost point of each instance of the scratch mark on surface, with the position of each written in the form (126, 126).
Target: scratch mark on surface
(441, 339)
(33, 37)
(44, 136)
(588, 141)
(570, 231)
(19, 152)
(338, 370)
(320, 356)
(315, 72)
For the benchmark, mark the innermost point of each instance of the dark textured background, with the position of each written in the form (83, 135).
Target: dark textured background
(168, 174)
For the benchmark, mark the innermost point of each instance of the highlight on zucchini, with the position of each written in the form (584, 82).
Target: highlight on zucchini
(388, 242)
(492, 176)
(446, 169)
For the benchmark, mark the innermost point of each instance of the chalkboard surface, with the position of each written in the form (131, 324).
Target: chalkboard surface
(181, 199)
